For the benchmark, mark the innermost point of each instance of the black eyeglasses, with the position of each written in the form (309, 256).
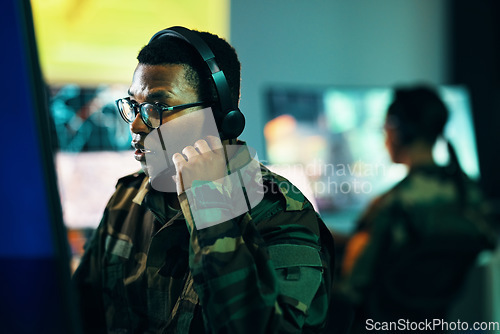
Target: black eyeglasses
(151, 114)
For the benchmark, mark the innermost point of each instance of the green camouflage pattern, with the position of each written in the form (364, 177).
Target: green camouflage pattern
(429, 217)
(148, 270)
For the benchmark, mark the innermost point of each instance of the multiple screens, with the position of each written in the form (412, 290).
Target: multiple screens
(329, 141)
(334, 136)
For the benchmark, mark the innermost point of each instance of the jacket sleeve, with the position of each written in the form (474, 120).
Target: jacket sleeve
(261, 272)
(87, 282)
(367, 265)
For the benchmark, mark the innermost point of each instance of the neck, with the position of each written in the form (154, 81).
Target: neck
(172, 200)
(417, 154)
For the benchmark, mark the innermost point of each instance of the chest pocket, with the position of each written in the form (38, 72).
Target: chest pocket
(116, 249)
(299, 270)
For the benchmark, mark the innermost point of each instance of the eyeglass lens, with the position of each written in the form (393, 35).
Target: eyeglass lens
(127, 110)
(149, 113)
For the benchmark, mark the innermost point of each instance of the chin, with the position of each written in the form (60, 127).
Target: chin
(145, 168)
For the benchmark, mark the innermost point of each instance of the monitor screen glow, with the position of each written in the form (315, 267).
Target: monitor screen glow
(335, 137)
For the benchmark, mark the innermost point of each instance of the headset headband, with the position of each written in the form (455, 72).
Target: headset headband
(233, 120)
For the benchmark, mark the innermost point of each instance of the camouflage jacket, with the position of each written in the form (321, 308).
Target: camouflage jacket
(147, 270)
(423, 235)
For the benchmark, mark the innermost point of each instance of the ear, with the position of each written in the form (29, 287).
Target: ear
(393, 143)
(392, 137)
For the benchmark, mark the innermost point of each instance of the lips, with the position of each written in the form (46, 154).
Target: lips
(140, 152)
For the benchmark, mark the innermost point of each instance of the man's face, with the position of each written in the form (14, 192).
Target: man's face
(165, 84)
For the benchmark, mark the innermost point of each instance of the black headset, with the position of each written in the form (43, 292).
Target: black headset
(232, 121)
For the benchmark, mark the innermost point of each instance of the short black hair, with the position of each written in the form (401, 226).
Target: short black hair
(417, 112)
(172, 50)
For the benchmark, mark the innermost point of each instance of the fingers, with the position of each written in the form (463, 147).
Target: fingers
(204, 161)
(202, 146)
(214, 143)
(189, 152)
(179, 161)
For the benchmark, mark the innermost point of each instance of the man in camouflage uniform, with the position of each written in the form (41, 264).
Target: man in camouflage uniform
(415, 243)
(149, 269)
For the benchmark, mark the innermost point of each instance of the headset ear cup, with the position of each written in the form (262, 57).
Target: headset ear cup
(232, 124)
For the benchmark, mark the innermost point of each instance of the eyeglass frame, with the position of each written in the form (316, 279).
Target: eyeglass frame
(163, 107)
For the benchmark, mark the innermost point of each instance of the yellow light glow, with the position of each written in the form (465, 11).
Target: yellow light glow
(94, 41)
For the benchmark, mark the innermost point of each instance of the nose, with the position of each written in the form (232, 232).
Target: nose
(138, 125)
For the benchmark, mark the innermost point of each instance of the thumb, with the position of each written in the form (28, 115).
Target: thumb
(179, 186)
(178, 161)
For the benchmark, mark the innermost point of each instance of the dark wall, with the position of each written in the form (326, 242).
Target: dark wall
(475, 55)
(321, 42)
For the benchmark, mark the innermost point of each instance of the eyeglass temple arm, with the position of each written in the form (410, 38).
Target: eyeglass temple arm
(164, 149)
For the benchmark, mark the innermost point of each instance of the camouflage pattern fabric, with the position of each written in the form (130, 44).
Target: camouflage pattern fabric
(148, 270)
(423, 236)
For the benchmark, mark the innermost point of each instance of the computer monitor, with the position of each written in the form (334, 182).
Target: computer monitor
(35, 289)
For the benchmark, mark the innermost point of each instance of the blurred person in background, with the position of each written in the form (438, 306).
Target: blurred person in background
(414, 245)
